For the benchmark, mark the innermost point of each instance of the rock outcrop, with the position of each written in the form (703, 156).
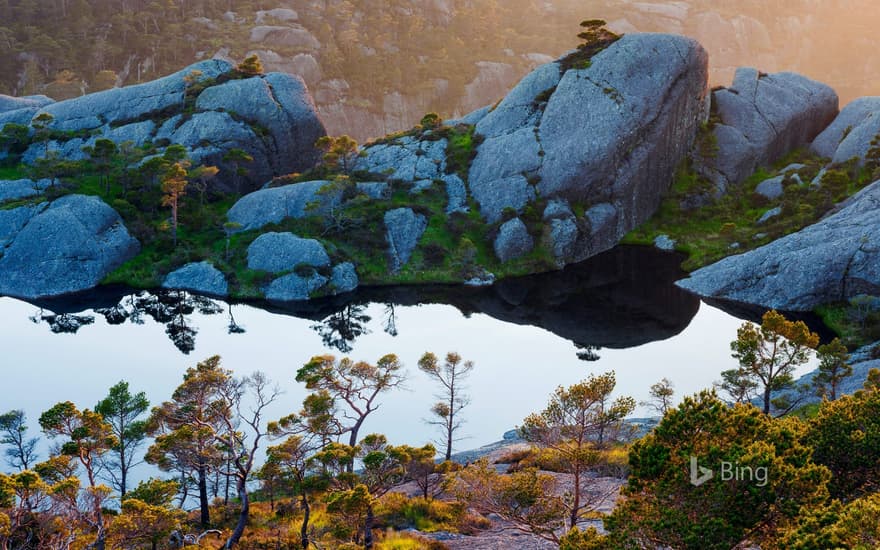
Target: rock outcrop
(272, 117)
(762, 118)
(62, 247)
(403, 230)
(830, 261)
(513, 240)
(199, 277)
(21, 189)
(278, 252)
(273, 205)
(611, 134)
(10, 103)
(607, 137)
(851, 133)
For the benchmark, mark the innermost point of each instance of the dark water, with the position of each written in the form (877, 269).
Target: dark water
(618, 311)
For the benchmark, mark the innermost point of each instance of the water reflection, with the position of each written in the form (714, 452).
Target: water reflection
(620, 299)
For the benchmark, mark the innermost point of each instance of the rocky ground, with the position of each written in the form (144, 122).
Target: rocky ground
(503, 534)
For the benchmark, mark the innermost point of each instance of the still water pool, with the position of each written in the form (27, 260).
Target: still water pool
(618, 311)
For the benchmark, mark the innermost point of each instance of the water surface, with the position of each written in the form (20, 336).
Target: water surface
(618, 311)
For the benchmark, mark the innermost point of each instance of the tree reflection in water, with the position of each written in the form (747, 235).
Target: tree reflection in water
(62, 323)
(172, 308)
(343, 327)
(623, 298)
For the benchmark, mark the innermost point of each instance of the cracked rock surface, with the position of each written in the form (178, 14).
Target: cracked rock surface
(611, 134)
(851, 133)
(763, 117)
(830, 261)
(272, 117)
(67, 246)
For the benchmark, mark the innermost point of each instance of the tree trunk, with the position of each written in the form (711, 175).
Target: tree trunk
(368, 528)
(449, 431)
(123, 478)
(205, 518)
(767, 399)
(353, 437)
(576, 500)
(304, 528)
(243, 516)
(352, 440)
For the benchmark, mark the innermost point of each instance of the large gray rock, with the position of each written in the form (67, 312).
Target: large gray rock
(611, 135)
(403, 230)
(200, 277)
(275, 204)
(277, 252)
(851, 133)
(456, 194)
(294, 288)
(405, 159)
(564, 234)
(281, 115)
(513, 240)
(293, 36)
(830, 261)
(11, 103)
(271, 117)
(344, 278)
(764, 117)
(21, 189)
(511, 146)
(12, 220)
(68, 246)
(130, 103)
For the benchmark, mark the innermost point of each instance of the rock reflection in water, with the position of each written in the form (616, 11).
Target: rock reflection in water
(620, 299)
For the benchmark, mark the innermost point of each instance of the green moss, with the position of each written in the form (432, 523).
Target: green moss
(706, 233)
(461, 148)
(13, 172)
(18, 203)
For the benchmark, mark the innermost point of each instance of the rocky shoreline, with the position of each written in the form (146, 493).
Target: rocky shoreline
(530, 184)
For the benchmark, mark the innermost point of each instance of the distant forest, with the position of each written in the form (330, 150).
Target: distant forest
(64, 48)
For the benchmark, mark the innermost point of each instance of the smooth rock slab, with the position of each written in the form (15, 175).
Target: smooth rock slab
(403, 230)
(861, 115)
(11, 221)
(200, 277)
(67, 247)
(830, 261)
(277, 252)
(763, 118)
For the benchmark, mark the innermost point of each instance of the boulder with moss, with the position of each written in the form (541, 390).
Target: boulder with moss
(209, 107)
(830, 261)
(759, 119)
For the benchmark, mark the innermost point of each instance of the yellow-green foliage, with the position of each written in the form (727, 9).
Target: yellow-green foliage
(398, 511)
(404, 541)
